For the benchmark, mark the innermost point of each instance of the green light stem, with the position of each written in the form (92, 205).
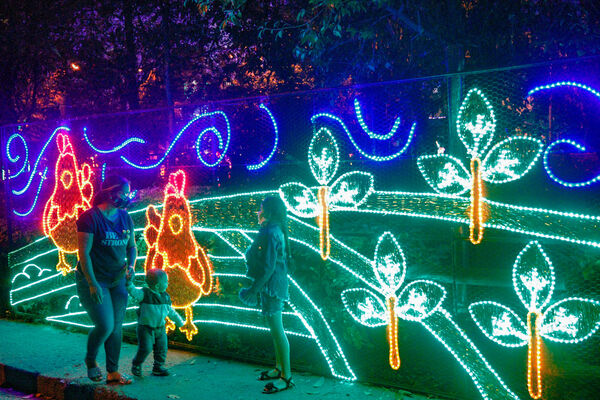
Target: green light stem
(486, 380)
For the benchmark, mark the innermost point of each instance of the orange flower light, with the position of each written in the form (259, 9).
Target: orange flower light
(71, 196)
(172, 247)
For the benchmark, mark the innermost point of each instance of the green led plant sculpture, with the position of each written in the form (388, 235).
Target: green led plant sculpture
(419, 301)
(349, 191)
(570, 320)
(506, 161)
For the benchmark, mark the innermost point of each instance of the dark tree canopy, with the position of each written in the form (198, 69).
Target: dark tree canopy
(67, 58)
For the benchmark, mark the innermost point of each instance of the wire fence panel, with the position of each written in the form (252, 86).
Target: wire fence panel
(445, 231)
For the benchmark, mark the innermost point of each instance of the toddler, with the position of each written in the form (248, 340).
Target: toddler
(155, 306)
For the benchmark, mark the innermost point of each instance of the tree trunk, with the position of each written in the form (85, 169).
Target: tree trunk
(166, 22)
(131, 95)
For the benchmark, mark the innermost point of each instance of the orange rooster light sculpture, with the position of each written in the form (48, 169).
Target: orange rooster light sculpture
(71, 196)
(172, 247)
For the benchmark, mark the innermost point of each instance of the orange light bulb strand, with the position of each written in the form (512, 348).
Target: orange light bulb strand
(70, 197)
(476, 212)
(324, 242)
(534, 356)
(172, 247)
(392, 333)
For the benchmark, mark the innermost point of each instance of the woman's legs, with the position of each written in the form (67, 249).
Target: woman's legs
(112, 345)
(281, 344)
(101, 315)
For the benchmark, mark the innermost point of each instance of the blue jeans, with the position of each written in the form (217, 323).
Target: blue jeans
(151, 339)
(107, 318)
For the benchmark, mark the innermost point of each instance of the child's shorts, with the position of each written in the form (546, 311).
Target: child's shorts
(270, 304)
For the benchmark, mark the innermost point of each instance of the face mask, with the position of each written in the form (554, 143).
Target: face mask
(121, 202)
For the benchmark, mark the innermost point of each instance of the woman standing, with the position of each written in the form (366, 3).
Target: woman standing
(267, 261)
(107, 256)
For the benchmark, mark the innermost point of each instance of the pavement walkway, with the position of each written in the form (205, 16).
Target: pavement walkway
(47, 361)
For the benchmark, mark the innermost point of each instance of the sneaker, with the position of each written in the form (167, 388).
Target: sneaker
(136, 370)
(160, 371)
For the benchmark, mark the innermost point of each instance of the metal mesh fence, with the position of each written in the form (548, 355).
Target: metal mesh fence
(227, 150)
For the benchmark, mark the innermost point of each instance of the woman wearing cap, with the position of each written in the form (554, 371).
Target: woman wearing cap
(107, 256)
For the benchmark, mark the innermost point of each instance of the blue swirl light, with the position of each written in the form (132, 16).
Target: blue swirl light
(163, 158)
(24, 189)
(572, 143)
(261, 164)
(26, 213)
(564, 83)
(17, 157)
(555, 178)
(360, 150)
(116, 148)
(365, 128)
(198, 145)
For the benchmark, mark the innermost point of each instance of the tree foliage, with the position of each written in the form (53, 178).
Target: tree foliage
(390, 39)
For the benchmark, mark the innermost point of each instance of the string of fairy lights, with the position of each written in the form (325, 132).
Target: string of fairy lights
(383, 296)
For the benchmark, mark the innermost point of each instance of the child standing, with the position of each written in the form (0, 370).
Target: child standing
(155, 306)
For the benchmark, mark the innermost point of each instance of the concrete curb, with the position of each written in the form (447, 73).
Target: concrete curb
(55, 388)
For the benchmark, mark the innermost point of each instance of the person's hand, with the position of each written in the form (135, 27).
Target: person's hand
(248, 296)
(96, 293)
(129, 274)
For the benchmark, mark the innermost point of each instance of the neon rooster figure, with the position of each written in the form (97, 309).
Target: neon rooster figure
(71, 196)
(173, 248)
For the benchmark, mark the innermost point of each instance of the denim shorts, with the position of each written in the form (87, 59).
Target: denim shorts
(270, 304)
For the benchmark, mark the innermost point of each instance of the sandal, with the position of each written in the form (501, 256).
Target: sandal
(120, 379)
(270, 388)
(264, 375)
(94, 374)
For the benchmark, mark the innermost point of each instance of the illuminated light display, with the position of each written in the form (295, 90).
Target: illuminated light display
(15, 158)
(71, 196)
(564, 84)
(417, 302)
(323, 218)
(506, 161)
(114, 149)
(264, 162)
(350, 190)
(71, 299)
(366, 129)
(452, 177)
(577, 146)
(214, 130)
(420, 301)
(172, 247)
(37, 161)
(570, 320)
(103, 171)
(534, 356)
(476, 122)
(556, 179)
(475, 212)
(37, 195)
(372, 157)
(198, 145)
(567, 321)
